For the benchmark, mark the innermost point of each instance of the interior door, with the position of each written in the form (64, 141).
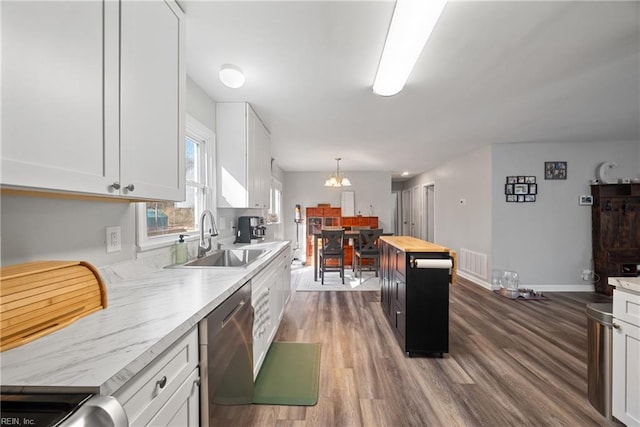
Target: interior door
(395, 226)
(429, 210)
(416, 213)
(406, 212)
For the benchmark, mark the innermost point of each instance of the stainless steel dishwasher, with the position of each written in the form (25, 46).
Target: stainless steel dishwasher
(226, 359)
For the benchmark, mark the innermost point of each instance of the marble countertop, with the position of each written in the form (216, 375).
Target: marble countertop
(145, 315)
(629, 283)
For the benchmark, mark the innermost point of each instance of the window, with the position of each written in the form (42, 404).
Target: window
(161, 222)
(275, 202)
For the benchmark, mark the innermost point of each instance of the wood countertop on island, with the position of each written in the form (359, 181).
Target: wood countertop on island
(411, 244)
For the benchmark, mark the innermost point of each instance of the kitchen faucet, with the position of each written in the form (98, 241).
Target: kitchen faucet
(213, 231)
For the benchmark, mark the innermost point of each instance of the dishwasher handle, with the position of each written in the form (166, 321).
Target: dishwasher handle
(233, 312)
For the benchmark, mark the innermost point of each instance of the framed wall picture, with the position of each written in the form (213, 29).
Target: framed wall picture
(555, 170)
(521, 189)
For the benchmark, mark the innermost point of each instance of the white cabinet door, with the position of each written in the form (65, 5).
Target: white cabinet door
(244, 157)
(151, 96)
(259, 162)
(183, 408)
(93, 97)
(260, 300)
(55, 100)
(626, 358)
(282, 288)
(255, 164)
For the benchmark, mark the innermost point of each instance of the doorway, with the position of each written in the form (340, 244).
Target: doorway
(406, 212)
(428, 224)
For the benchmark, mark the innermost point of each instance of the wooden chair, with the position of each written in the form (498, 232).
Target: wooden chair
(368, 249)
(331, 253)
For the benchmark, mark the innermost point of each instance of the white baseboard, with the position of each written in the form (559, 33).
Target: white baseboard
(587, 287)
(475, 280)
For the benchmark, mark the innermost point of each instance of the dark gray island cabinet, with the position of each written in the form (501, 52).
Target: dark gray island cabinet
(415, 277)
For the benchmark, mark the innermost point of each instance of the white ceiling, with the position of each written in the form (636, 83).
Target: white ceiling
(492, 72)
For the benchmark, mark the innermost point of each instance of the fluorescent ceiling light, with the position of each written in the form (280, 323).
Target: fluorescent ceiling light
(411, 25)
(231, 76)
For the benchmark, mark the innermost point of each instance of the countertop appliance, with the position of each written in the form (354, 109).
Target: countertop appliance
(250, 228)
(226, 358)
(61, 410)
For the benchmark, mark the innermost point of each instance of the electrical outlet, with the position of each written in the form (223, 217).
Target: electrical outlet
(586, 275)
(112, 241)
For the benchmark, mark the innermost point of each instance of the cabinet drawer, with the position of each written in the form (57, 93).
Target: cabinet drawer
(400, 292)
(144, 395)
(399, 263)
(626, 307)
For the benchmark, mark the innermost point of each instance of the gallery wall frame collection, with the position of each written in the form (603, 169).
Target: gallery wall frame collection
(521, 189)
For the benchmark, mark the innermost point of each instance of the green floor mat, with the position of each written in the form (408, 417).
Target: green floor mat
(289, 375)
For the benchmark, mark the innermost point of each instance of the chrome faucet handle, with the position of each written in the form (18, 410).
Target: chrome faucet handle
(213, 231)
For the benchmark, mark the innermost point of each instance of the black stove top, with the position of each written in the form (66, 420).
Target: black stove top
(38, 410)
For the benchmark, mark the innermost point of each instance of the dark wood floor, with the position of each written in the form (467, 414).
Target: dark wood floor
(510, 363)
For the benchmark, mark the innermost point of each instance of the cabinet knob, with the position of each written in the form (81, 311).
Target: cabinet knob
(130, 187)
(115, 186)
(162, 382)
(615, 326)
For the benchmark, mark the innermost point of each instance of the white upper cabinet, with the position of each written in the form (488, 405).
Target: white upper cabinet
(81, 115)
(244, 157)
(152, 86)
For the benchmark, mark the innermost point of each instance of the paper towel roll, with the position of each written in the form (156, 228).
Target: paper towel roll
(433, 263)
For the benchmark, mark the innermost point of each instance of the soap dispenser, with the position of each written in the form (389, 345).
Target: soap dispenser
(182, 254)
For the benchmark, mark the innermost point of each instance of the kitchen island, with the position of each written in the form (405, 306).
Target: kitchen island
(145, 316)
(415, 278)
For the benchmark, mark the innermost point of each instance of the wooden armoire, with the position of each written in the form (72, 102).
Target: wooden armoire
(615, 225)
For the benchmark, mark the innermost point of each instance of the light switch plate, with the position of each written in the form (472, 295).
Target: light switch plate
(113, 237)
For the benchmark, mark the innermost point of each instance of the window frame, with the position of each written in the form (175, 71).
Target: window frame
(275, 186)
(206, 137)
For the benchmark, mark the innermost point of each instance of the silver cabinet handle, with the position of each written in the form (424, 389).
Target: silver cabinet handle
(615, 326)
(115, 185)
(162, 382)
(130, 187)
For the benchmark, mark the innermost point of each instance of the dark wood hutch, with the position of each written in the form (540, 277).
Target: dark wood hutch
(615, 226)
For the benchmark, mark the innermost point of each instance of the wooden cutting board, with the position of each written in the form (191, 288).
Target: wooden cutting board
(40, 297)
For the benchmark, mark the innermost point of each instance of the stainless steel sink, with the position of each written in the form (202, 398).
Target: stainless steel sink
(225, 258)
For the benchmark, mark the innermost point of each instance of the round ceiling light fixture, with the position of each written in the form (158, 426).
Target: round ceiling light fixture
(231, 76)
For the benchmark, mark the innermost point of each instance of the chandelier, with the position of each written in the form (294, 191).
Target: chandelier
(337, 179)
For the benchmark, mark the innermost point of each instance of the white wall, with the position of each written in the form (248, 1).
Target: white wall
(549, 242)
(459, 225)
(307, 189)
(200, 106)
(53, 229)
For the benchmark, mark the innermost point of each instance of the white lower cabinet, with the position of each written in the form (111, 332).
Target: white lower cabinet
(168, 388)
(183, 408)
(626, 358)
(270, 291)
(262, 295)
